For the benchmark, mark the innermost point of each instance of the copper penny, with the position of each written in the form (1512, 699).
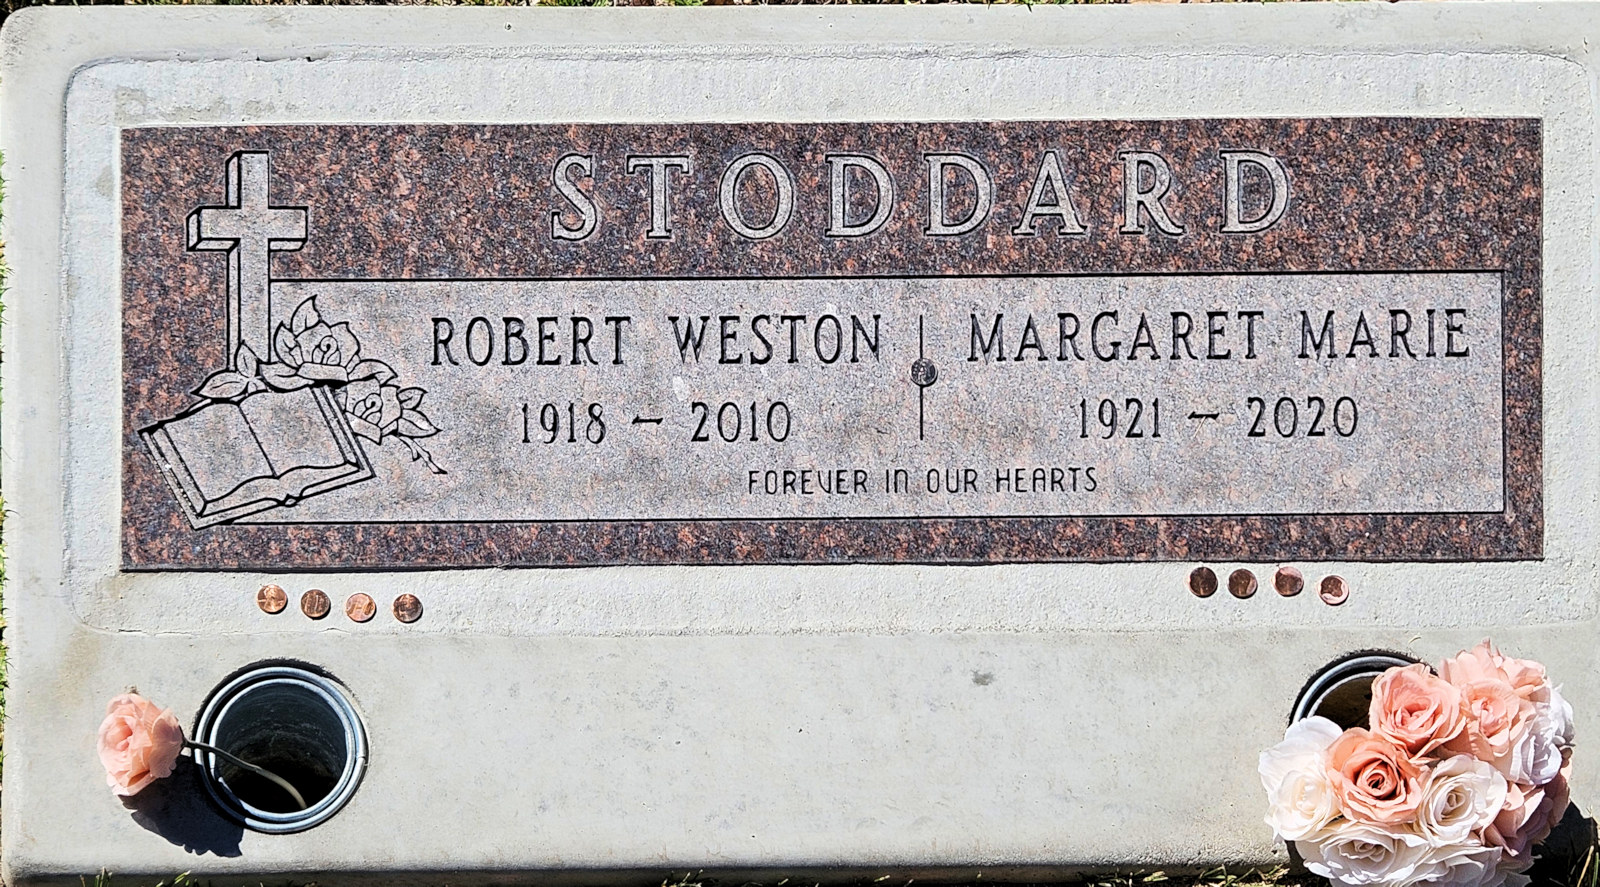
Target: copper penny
(1288, 581)
(1241, 583)
(1203, 582)
(271, 599)
(315, 604)
(1335, 591)
(359, 607)
(407, 608)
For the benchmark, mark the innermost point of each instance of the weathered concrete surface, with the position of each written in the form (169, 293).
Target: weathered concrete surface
(643, 719)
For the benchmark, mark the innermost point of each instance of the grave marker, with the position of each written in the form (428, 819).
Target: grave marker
(735, 392)
(665, 476)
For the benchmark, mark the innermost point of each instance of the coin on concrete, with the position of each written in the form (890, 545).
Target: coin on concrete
(1335, 591)
(271, 599)
(407, 608)
(359, 607)
(315, 604)
(1242, 583)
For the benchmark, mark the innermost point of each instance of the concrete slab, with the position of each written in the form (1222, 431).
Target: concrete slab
(876, 696)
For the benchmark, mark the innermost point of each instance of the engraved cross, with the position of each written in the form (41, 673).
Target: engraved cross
(249, 229)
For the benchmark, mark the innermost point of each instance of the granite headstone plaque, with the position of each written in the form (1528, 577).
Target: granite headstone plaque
(589, 444)
(961, 342)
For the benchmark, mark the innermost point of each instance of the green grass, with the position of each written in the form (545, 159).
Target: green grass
(103, 879)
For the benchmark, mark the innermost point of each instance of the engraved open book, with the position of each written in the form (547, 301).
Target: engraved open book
(270, 449)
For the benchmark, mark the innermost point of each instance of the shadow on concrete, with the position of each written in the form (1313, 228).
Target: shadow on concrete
(177, 809)
(1562, 857)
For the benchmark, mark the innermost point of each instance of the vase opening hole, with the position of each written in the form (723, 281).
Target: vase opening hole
(295, 723)
(1341, 691)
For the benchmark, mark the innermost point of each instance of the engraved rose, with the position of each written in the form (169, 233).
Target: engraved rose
(313, 349)
(373, 408)
(310, 351)
(378, 410)
(325, 353)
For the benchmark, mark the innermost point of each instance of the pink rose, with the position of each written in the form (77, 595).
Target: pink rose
(1355, 853)
(1485, 663)
(1415, 710)
(1529, 815)
(1374, 778)
(1497, 720)
(1547, 745)
(139, 743)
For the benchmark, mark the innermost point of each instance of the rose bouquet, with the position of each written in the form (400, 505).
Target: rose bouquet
(1461, 773)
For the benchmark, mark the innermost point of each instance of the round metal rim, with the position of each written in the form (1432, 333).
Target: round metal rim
(1340, 673)
(267, 821)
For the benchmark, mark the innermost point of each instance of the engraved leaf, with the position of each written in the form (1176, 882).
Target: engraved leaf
(245, 360)
(283, 343)
(414, 424)
(283, 377)
(373, 369)
(411, 398)
(223, 385)
(305, 316)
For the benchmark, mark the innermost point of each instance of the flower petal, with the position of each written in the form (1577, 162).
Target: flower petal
(365, 429)
(321, 372)
(138, 743)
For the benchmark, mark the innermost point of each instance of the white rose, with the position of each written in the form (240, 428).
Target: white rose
(1305, 741)
(1466, 865)
(1294, 773)
(1561, 712)
(1537, 758)
(1355, 854)
(1303, 805)
(1461, 796)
